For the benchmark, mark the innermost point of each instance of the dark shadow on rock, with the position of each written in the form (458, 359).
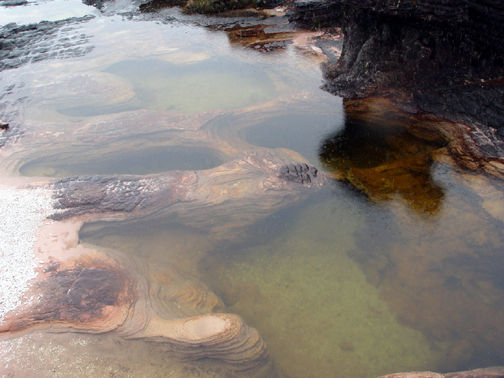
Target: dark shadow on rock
(441, 58)
(383, 160)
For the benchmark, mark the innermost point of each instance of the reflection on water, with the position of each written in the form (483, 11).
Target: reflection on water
(337, 286)
(383, 160)
(135, 161)
(297, 131)
(188, 88)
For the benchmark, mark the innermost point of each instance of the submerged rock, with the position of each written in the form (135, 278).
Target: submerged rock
(78, 289)
(427, 57)
(315, 14)
(491, 372)
(380, 155)
(258, 180)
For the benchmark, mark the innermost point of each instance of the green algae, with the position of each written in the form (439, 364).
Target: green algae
(312, 303)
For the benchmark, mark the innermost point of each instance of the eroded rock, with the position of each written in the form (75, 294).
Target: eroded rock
(32, 43)
(440, 59)
(491, 372)
(89, 294)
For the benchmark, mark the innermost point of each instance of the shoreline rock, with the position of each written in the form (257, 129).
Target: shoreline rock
(490, 372)
(429, 58)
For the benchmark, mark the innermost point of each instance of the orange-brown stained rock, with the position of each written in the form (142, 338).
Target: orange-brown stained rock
(377, 154)
(460, 139)
(223, 337)
(88, 294)
(257, 38)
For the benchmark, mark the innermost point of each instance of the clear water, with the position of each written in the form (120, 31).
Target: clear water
(394, 266)
(153, 159)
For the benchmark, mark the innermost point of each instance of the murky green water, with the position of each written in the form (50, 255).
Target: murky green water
(394, 267)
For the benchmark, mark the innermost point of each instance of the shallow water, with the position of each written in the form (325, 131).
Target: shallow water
(139, 161)
(395, 265)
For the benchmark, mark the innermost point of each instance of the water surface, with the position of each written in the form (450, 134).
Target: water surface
(395, 265)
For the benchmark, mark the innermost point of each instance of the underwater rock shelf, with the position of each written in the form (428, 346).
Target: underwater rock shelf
(80, 289)
(429, 57)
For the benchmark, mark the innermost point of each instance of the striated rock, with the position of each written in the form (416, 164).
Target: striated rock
(89, 294)
(117, 195)
(192, 196)
(173, 295)
(217, 336)
(299, 173)
(315, 14)
(441, 58)
(414, 374)
(258, 38)
(82, 290)
(154, 5)
(491, 372)
(20, 45)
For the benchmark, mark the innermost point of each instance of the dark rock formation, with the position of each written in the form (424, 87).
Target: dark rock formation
(32, 43)
(300, 173)
(154, 5)
(86, 294)
(315, 14)
(102, 194)
(13, 3)
(445, 58)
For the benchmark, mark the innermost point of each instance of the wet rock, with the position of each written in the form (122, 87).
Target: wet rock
(443, 59)
(20, 45)
(154, 5)
(378, 155)
(172, 294)
(299, 173)
(13, 3)
(196, 198)
(491, 372)
(315, 13)
(100, 194)
(217, 6)
(78, 289)
(88, 294)
(224, 337)
(259, 38)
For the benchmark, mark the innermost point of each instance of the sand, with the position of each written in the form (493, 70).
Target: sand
(23, 212)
